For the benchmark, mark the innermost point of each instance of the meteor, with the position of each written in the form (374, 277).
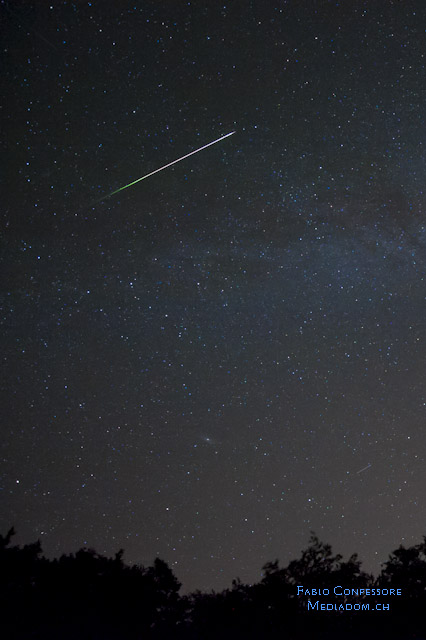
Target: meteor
(167, 165)
(365, 468)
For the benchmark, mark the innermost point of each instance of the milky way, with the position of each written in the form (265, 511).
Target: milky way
(201, 367)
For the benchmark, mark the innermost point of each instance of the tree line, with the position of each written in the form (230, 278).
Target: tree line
(87, 596)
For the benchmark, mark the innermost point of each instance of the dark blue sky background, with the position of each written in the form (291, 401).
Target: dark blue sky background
(230, 354)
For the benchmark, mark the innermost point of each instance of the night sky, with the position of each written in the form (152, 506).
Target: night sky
(209, 365)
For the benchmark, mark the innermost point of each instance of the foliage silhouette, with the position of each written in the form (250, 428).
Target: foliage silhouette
(91, 597)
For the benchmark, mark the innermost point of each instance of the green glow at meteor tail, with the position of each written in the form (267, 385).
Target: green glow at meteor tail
(165, 166)
(127, 186)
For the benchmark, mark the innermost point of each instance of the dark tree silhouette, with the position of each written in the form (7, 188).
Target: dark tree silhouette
(88, 596)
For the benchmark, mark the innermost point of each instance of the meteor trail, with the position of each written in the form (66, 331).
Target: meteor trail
(364, 468)
(167, 165)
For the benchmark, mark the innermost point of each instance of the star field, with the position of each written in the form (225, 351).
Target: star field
(230, 354)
